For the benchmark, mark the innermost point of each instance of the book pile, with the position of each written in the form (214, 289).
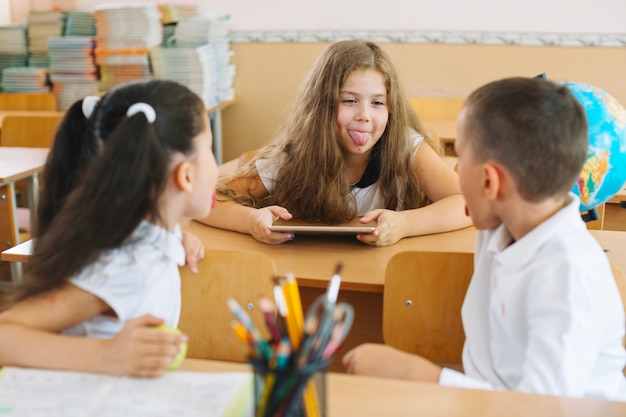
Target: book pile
(124, 34)
(171, 14)
(72, 69)
(42, 25)
(80, 23)
(195, 67)
(13, 47)
(25, 80)
(207, 29)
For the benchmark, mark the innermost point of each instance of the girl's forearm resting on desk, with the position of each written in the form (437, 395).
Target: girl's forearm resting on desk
(137, 350)
(230, 215)
(442, 216)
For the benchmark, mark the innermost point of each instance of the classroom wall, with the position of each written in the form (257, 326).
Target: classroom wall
(437, 53)
(268, 76)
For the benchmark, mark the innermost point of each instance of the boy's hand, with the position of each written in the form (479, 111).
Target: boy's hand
(194, 251)
(390, 227)
(384, 361)
(260, 221)
(140, 350)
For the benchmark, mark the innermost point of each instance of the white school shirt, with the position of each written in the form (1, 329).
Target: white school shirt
(367, 199)
(141, 277)
(543, 314)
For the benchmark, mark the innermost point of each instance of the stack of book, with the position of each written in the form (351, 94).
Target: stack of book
(171, 14)
(42, 25)
(80, 23)
(195, 67)
(13, 47)
(124, 34)
(25, 80)
(210, 30)
(72, 69)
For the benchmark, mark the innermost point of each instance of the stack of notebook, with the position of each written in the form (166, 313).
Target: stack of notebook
(171, 14)
(195, 67)
(42, 25)
(80, 23)
(25, 80)
(198, 32)
(13, 47)
(72, 69)
(124, 34)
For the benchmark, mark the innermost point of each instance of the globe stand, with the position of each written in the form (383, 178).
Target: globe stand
(591, 215)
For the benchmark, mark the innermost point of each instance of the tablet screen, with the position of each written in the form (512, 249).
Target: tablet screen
(316, 229)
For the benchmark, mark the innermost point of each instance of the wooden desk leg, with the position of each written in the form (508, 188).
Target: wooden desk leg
(215, 118)
(8, 231)
(33, 199)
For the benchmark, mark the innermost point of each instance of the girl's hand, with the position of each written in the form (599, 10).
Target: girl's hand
(194, 251)
(263, 218)
(390, 227)
(140, 350)
(387, 362)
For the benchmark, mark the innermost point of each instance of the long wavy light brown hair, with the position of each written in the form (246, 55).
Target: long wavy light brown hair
(313, 183)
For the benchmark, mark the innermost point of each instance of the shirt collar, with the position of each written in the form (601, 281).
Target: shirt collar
(517, 255)
(168, 243)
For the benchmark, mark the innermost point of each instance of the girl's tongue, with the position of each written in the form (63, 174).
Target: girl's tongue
(359, 138)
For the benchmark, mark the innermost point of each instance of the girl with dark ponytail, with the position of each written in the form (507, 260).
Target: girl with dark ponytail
(106, 265)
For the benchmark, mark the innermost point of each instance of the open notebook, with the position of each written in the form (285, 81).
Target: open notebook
(34, 393)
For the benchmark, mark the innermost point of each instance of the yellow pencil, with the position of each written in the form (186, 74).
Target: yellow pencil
(295, 317)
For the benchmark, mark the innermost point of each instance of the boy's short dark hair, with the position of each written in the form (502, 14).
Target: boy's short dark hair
(535, 128)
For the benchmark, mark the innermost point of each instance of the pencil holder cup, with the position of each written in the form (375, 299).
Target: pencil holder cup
(290, 392)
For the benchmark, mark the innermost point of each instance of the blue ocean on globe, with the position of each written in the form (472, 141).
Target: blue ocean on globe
(604, 172)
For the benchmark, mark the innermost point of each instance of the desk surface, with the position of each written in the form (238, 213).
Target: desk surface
(17, 163)
(313, 258)
(352, 396)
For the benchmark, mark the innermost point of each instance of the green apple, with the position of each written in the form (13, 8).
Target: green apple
(183, 347)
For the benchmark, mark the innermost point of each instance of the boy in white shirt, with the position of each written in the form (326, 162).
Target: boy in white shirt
(542, 313)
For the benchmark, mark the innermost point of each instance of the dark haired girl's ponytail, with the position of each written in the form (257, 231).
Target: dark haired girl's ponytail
(73, 149)
(121, 188)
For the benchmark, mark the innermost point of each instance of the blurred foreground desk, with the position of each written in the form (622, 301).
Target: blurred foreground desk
(358, 396)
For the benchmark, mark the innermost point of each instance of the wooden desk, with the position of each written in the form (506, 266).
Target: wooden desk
(17, 164)
(215, 118)
(358, 396)
(313, 258)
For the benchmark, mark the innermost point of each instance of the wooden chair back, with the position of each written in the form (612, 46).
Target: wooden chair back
(437, 108)
(28, 101)
(29, 131)
(205, 316)
(422, 300)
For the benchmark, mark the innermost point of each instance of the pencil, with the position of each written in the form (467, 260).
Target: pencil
(294, 310)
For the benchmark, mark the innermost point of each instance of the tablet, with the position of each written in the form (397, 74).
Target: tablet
(315, 229)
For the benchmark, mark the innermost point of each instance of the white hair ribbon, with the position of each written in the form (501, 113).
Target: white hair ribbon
(89, 103)
(144, 108)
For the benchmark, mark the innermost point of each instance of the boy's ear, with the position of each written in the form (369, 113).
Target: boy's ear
(183, 176)
(492, 180)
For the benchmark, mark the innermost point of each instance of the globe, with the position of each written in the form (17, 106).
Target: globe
(604, 171)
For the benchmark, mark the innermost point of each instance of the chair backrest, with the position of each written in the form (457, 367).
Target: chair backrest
(29, 131)
(422, 300)
(28, 101)
(205, 316)
(438, 108)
